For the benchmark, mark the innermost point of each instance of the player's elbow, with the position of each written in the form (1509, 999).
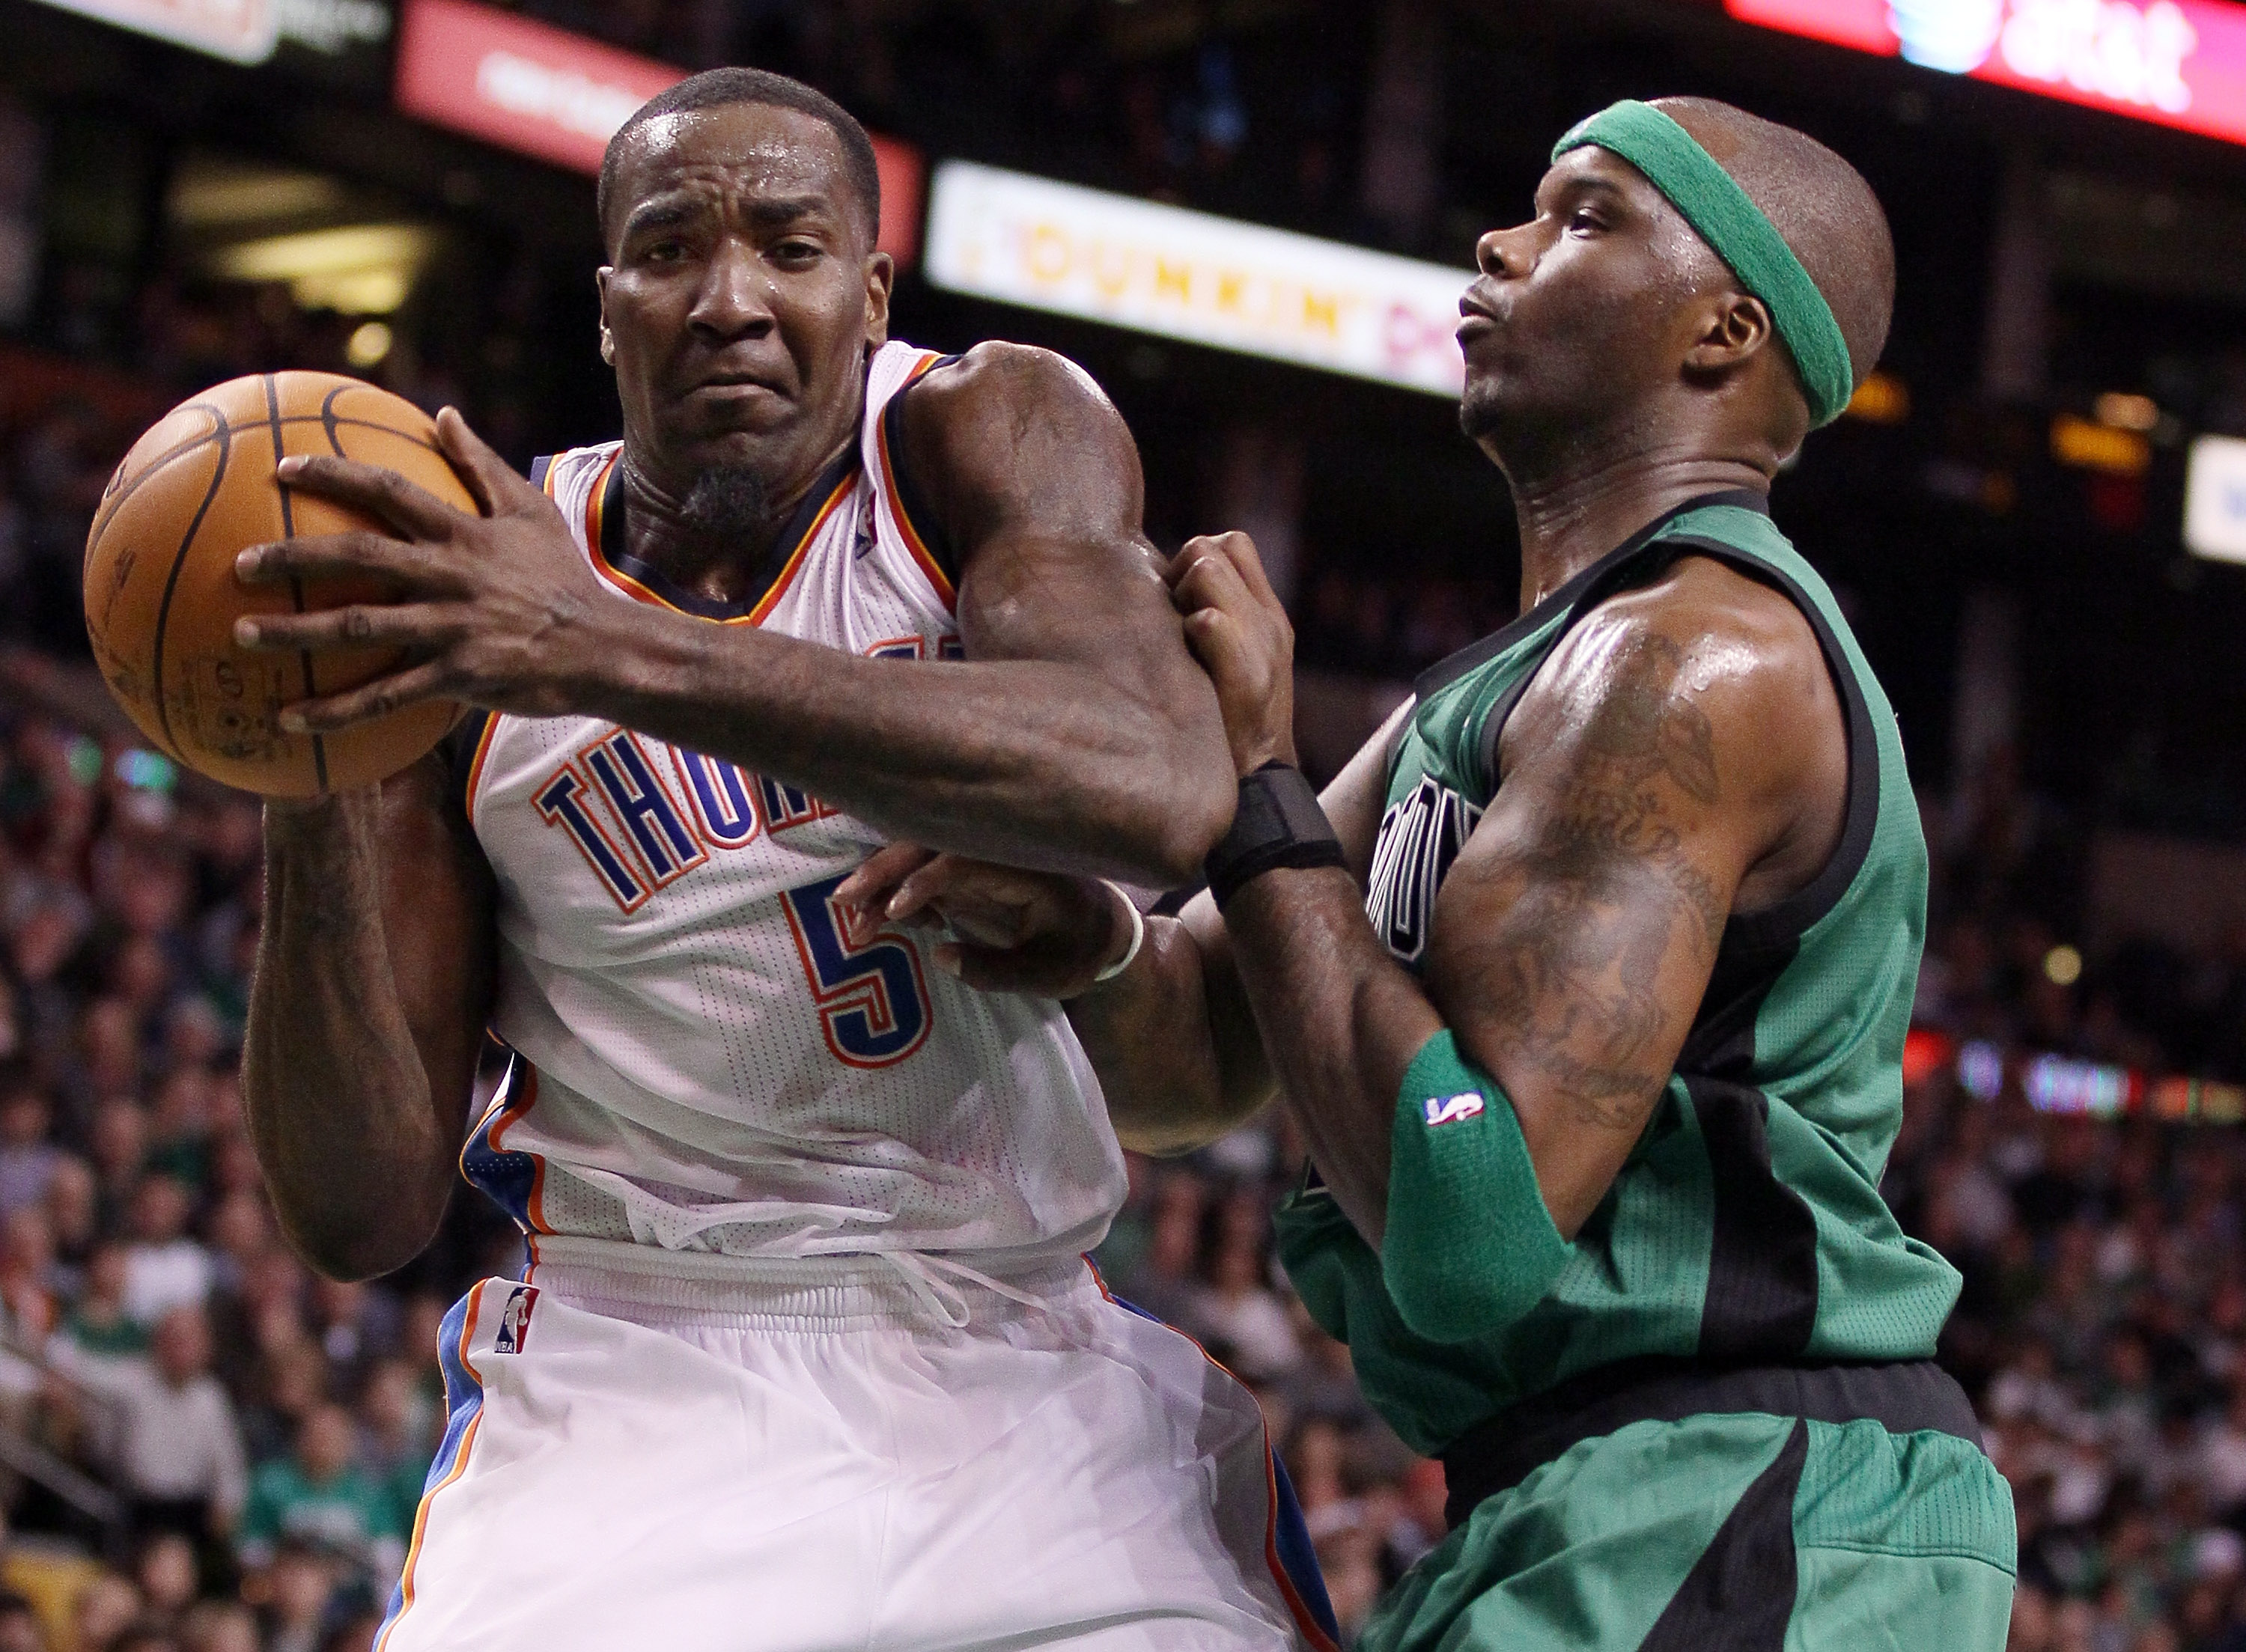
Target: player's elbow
(348, 1252)
(1170, 1131)
(1477, 1296)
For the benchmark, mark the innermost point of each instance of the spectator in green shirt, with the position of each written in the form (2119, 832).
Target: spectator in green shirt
(98, 1323)
(319, 1495)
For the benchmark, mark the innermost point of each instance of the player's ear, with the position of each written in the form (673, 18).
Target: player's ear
(880, 276)
(607, 340)
(1733, 329)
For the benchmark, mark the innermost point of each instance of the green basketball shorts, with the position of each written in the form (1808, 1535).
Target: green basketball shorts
(1746, 1532)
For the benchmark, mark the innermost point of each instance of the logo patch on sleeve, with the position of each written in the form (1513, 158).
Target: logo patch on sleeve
(1450, 1109)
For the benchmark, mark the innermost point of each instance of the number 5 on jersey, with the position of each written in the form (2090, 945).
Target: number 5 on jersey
(873, 1003)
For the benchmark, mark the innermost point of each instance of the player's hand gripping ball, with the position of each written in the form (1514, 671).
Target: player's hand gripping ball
(161, 596)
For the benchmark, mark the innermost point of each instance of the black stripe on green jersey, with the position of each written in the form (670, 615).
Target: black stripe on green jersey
(1740, 1592)
(1746, 1227)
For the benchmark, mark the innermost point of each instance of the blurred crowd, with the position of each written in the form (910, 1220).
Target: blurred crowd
(254, 1438)
(1240, 108)
(210, 1450)
(206, 1449)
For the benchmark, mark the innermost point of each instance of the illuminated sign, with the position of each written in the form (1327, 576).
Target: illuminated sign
(1189, 275)
(546, 92)
(246, 32)
(2181, 63)
(238, 31)
(2215, 499)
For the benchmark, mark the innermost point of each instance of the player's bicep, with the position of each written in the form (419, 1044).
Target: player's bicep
(1569, 950)
(439, 916)
(1036, 481)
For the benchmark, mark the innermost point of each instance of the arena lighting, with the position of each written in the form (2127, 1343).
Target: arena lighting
(244, 31)
(2179, 62)
(2085, 445)
(2056, 1084)
(359, 269)
(369, 342)
(2215, 499)
(558, 97)
(1189, 275)
(2124, 411)
(1881, 399)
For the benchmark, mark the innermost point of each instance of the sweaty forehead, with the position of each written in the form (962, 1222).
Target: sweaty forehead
(1649, 217)
(748, 148)
(1590, 166)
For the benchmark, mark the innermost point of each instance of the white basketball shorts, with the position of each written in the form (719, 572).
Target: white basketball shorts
(837, 1455)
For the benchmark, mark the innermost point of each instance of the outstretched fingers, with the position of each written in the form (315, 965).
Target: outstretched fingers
(426, 680)
(383, 494)
(324, 555)
(417, 626)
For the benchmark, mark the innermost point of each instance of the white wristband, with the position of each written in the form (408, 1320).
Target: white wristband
(1138, 936)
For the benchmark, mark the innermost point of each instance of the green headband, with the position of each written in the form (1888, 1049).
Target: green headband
(1743, 237)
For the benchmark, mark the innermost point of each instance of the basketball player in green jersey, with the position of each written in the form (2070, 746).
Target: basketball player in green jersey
(1599, 1098)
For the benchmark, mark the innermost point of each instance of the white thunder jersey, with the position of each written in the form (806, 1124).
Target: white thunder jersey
(711, 1057)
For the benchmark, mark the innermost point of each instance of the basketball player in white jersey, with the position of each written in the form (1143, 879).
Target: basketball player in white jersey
(805, 1354)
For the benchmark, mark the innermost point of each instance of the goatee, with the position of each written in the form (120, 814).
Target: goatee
(1479, 413)
(728, 503)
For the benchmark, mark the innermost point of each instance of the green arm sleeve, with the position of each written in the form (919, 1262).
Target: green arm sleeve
(1469, 1247)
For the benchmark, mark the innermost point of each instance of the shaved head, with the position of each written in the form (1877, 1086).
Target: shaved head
(1820, 205)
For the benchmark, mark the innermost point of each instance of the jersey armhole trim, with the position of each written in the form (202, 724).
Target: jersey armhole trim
(468, 745)
(1778, 926)
(917, 520)
(1782, 925)
(1448, 671)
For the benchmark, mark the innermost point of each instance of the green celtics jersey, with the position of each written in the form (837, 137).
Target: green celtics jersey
(1746, 1227)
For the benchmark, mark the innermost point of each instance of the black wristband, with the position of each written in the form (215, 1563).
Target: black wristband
(1278, 823)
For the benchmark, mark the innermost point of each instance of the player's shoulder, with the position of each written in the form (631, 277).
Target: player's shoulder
(1001, 374)
(1718, 608)
(1703, 662)
(1004, 425)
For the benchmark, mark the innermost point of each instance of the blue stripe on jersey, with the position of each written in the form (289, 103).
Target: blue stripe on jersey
(464, 1401)
(1298, 1556)
(1290, 1536)
(505, 1177)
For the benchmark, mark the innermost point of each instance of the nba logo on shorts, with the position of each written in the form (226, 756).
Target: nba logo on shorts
(514, 1321)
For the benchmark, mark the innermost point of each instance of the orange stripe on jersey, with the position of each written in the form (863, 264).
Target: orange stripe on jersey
(917, 545)
(843, 489)
(639, 591)
(1305, 1623)
(476, 764)
(595, 520)
(459, 1466)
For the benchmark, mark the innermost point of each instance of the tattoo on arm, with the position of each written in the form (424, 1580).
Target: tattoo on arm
(1567, 979)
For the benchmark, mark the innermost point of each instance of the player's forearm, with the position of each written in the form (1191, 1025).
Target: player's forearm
(1177, 1053)
(1031, 763)
(338, 1100)
(1340, 1020)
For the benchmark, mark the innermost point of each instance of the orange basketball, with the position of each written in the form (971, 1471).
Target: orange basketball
(161, 597)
